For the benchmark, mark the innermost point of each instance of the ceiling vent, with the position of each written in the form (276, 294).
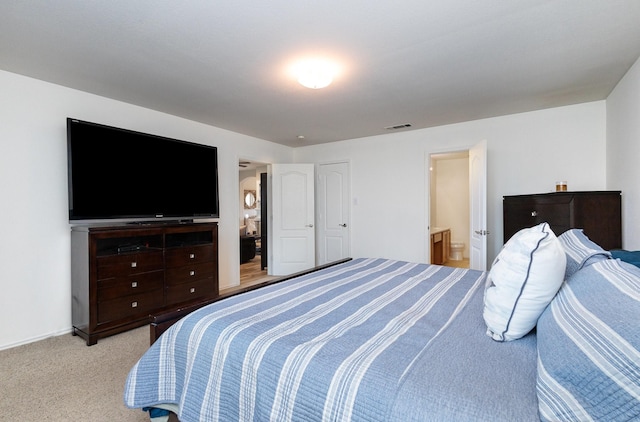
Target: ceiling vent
(396, 127)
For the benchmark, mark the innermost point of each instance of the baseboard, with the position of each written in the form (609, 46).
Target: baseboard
(37, 338)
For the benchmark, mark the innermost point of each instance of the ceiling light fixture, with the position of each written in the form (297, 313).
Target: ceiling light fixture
(315, 73)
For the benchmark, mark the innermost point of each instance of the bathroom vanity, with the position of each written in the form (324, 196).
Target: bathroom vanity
(440, 244)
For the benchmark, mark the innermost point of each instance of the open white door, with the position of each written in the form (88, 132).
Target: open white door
(292, 235)
(333, 211)
(478, 205)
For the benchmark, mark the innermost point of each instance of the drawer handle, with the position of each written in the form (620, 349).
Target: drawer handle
(192, 272)
(193, 290)
(534, 213)
(192, 256)
(134, 304)
(134, 284)
(134, 264)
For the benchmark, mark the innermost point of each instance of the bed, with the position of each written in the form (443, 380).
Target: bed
(385, 340)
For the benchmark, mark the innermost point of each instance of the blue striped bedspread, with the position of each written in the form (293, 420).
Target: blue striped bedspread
(367, 340)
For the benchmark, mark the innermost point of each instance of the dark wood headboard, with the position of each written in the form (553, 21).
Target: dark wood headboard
(166, 317)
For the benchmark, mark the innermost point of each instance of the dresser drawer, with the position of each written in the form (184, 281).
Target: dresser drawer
(557, 215)
(522, 212)
(597, 213)
(191, 291)
(130, 285)
(126, 264)
(130, 306)
(186, 255)
(174, 276)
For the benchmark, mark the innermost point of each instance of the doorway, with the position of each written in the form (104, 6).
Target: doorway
(252, 222)
(472, 206)
(449, 208)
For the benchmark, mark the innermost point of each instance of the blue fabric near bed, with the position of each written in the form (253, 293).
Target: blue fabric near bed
(632, 257)
(368, 340)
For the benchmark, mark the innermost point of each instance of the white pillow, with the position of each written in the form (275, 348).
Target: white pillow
(524, 277)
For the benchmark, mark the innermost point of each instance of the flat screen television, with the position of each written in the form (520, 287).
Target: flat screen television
(126, 175)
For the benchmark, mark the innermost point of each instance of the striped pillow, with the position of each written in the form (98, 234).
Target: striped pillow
(580, 250)
(589, 346)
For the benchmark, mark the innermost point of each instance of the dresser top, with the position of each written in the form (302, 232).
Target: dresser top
(571, 193)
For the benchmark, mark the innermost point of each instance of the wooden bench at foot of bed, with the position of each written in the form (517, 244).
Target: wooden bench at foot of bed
(166, 317)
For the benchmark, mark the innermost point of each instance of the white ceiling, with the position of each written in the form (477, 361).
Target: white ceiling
(423, 62)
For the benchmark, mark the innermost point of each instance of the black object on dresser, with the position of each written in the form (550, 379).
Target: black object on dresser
(121, 274)
(598, 213)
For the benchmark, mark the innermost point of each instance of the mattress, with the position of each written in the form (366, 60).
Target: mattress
(367, 340)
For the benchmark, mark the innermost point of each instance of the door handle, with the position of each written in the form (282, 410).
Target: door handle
(482, 232)
(309, 225)
(343, 225)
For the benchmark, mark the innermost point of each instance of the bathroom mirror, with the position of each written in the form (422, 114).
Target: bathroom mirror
(249, 199)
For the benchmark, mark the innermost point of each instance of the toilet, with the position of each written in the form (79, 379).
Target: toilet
(455, 252)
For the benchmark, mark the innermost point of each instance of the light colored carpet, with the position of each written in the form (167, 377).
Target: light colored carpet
(61, 379)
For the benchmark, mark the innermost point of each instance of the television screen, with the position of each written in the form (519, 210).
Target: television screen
(121, 174)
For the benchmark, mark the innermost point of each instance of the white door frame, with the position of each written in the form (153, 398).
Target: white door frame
(478, 206)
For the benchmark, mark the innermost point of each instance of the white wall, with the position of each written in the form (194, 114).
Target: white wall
(623, 152)
(526, 153)
(35, 248)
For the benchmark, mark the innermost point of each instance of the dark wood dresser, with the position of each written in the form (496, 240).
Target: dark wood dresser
(121, 274)
(598, 213)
